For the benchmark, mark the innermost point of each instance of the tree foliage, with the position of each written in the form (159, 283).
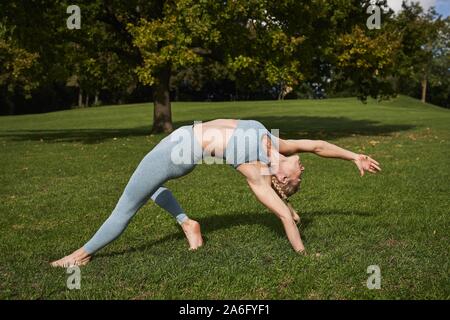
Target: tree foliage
(275, 47)
(16, 69)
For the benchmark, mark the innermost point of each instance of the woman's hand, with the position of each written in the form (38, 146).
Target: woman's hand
(366, 163)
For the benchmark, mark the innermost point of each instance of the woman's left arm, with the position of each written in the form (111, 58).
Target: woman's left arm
(260, 185)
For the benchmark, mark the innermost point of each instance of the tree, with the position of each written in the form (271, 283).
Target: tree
(420, 35)
(439, 75)
(318, 42)
(16, 69)
(177, 39)
(251, 45)
(368, 61)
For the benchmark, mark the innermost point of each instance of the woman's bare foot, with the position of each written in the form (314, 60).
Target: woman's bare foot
(78, 258)
(191, 229)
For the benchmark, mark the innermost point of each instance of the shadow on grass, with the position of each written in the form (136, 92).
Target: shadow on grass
(293, 127)
(311, 127)
(220, 222)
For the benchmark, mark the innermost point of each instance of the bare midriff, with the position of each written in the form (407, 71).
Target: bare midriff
(214, 135)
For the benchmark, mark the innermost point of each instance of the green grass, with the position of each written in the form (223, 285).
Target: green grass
(63, 172)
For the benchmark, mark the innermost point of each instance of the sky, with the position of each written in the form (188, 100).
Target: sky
(442, 6)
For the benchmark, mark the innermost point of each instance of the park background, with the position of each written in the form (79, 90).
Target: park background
(83, 106)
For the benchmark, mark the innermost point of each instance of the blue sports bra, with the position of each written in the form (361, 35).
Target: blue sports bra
(246, 144)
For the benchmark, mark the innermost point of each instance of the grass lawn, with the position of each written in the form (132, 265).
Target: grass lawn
(62, 173)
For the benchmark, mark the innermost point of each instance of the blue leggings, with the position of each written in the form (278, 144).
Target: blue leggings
(146, 183)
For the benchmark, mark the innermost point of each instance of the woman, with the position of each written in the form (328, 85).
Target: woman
(269, 164)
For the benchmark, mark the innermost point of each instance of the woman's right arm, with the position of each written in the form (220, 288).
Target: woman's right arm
(328, 150)
(268, 197)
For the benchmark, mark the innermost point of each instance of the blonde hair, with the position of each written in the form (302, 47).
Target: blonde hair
(284, 191)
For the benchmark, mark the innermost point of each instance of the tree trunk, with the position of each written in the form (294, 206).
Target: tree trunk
(176, 93)
(80, 98)
(87, 101)
(162, 114)
(281, 94)
(396, 84)
(10, 106)
(424, 90)
(96, 99)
